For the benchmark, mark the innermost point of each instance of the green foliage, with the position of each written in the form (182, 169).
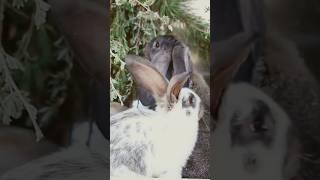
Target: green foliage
(136, 22)
(35, 64)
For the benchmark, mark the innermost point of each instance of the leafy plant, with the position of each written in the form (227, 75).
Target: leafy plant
(35, 64)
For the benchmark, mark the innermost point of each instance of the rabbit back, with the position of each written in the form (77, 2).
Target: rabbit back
(152, 145)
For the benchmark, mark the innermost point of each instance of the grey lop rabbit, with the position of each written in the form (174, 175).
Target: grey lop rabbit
(156, 143)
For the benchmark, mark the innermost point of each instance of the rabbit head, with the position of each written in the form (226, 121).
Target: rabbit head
(253, 137)
(170, 57)
(169, 95)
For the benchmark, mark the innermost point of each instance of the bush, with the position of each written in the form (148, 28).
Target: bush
(35, 64)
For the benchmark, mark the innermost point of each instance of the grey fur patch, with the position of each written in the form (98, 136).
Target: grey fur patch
(189, 101)
(188, 112)
(258, 126)
(123, 116)
(130, 156)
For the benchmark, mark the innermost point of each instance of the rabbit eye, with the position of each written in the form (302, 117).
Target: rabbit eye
(259, 126)
(189, 101)
(157, 45)
(192, 99)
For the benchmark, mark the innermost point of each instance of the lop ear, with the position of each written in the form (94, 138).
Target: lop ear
(181, 58)
(146, 76)
(147, 49)
(228, 55)
(88, 42)
(175, 85)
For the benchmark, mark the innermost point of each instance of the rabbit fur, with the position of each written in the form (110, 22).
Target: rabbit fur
(154, 143)
(77, 161)
(241, 145)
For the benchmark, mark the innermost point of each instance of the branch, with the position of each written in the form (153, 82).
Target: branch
(116, 91)
(9, 78)
(141, 4)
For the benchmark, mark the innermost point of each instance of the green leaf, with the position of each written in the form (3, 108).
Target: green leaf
(133, 3)
(120, 2)
(149, 2)
(32, 111)
(41, 12)
(19, 3)
(6, 119)
(13, 63)
(12, 106)
(149, 15)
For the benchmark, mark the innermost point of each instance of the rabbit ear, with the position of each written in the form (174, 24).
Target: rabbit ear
(175, 85)
(228, 55)
(181, 58)
(146, 75)
(88, 42)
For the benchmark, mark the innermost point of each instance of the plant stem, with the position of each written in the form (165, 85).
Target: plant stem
(116, 91)
(8, 76)
(141, 4)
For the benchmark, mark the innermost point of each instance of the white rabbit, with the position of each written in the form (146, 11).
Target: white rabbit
(155, 143)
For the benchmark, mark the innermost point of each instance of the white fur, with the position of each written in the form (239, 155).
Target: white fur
(74, 162)
(173, 135)
(228, 161)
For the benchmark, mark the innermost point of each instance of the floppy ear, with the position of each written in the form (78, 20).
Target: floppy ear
(175, 85)
(181, 58)
(146, 75)
(147, 49)
(88, 42)
(228, 55)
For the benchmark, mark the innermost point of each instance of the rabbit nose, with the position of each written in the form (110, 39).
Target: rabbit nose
(166, 46)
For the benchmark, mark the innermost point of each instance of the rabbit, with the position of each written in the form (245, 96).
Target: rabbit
(78, 161)
(155, 143)
(253, 138)
(18, 146)
(87, 96)
(283, 76)
(171, 56)
(282, 72)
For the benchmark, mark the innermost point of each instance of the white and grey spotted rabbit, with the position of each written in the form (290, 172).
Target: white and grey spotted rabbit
(155, 143)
